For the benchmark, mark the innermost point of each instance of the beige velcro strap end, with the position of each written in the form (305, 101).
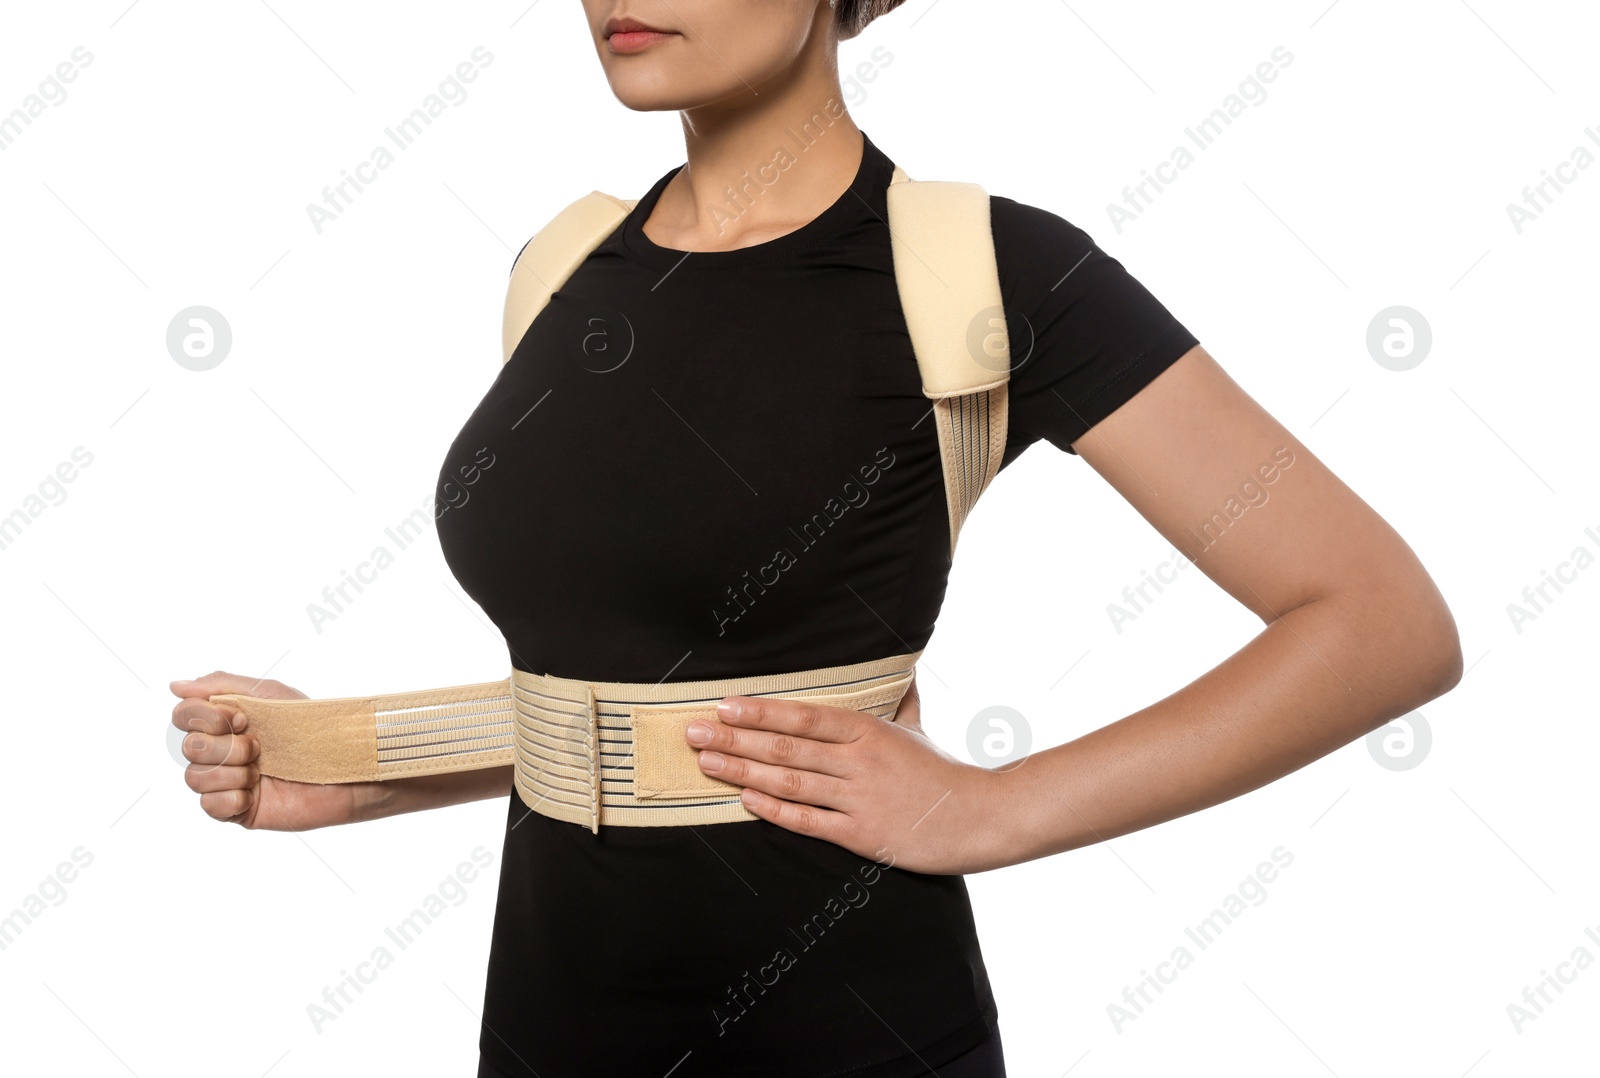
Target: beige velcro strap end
(666, 766)
(310, 740)
(377, 738)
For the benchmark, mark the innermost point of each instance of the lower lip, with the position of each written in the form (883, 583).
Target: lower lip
(635, 40)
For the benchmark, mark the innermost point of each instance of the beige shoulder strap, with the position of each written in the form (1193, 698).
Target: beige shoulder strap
(949, 282)
(949, 287)
(944, 266)
(549, 258)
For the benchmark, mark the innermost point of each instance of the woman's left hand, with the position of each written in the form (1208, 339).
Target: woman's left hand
(880, 789)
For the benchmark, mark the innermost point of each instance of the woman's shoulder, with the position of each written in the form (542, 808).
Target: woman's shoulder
(1033, 236)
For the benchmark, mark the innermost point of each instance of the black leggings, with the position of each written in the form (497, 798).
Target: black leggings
(986, 1060)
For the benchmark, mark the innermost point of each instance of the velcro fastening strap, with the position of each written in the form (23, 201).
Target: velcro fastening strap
(666, 766)
(373, 738)
(588, 753)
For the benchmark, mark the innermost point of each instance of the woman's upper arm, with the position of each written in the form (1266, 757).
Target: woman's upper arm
(1256, 511)
(1103, 369)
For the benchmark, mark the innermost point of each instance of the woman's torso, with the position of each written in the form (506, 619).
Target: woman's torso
(719, 465)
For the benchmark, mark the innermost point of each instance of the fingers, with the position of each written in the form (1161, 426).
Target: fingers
(822, 823)
(787, 750)
(220, 750)
(204, 780)
(193, 713)
(228, 792)
(816, 722)
(226, 804)
(220, 681)
(788, 765)
(785, 782)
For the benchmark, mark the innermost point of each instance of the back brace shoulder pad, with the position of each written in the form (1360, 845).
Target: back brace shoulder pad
(949, 287)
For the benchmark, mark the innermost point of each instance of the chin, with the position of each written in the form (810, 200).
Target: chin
(663, 92)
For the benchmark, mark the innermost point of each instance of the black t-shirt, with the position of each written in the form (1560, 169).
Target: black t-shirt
(668, 426)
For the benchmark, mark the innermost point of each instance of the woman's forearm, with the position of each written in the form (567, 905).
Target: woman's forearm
(375, 800)
(1320, 676)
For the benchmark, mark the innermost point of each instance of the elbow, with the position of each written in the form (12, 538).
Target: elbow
(1445, 667)
(1431, 645)
(1407, 637)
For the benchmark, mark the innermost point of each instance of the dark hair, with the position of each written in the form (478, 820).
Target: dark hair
(852, 16)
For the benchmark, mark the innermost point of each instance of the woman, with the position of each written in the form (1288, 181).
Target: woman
(706, 379)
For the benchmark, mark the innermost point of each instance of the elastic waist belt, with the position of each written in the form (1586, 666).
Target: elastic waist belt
(587, 752)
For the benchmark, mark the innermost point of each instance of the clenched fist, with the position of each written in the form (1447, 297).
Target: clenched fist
(222, 770)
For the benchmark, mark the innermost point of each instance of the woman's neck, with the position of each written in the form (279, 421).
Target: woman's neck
(762, 165)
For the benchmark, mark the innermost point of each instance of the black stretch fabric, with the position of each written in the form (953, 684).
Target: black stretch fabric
(985, 1060)
(722, 464)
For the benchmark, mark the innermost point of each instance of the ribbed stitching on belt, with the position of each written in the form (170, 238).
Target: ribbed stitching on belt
(589, 753)
(612, 753)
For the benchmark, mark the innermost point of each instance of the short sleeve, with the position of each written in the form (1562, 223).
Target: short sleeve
(1097, 335)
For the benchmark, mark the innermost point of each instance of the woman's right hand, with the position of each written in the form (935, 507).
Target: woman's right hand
(222, 770)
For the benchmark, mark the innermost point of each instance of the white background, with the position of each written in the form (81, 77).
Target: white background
(1419, 904)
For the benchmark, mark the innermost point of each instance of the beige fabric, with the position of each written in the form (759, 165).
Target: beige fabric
(584, 752)
(949, 283)
(613, 753)
(551, 255)
(972, 439)
(372, 738)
